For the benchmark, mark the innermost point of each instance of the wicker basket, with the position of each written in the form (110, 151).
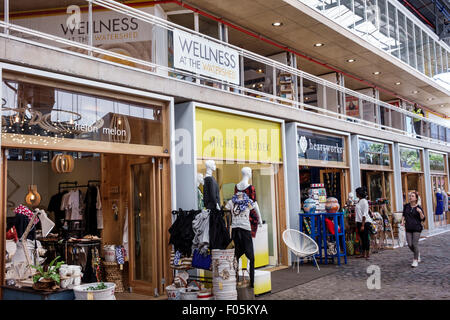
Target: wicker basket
(112, 273)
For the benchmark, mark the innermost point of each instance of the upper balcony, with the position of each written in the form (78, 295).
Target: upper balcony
(138, 36)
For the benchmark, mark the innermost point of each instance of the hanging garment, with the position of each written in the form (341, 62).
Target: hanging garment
(125, 232)
(181, 232)
(211, 195)
(439, 204)
(71, 204)
(200, 226)
(219, 237)
(55, 206)
(445, 199)
(99, 210)
(250, 191)
(90, 212)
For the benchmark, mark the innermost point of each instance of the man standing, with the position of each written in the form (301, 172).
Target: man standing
(417, 122)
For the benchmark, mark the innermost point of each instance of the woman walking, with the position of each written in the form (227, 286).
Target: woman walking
(413, 217)
(363, 221)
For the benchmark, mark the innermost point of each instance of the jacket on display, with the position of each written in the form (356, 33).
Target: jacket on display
(90, 212)
(254, 220)
(219, 237)
(211, 195)
(181, 231)
(200, 226)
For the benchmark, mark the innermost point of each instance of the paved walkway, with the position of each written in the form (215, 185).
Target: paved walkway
(398, 281)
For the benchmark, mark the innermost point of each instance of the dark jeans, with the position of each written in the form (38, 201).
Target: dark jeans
(417, 127)
(243, 244)
(364, 235)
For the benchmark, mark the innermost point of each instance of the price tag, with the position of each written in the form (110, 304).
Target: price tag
(121, 267)
(220, 285)
(90, 296)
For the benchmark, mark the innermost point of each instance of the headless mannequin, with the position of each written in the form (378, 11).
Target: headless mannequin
(200, 181)
(211, 196)
(244, 184)
(439, 202)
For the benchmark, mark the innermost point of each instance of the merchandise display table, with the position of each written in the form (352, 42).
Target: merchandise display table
(318, 231)
(26, 293)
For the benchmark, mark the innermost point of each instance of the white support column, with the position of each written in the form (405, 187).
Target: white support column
(398, 190)
(355, 170)
(293, 176)
(428, 191)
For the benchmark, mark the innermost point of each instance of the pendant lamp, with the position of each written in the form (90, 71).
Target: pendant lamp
(33, 198)
(63, 163)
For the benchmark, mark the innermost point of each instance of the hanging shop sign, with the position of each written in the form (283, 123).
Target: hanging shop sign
(205, 57)
(374, 153)
(315, 146)
(437, 162)
(108, 27)
(410, 159)
(225, 136)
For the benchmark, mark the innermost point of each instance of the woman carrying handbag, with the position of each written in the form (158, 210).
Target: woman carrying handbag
(412, 220)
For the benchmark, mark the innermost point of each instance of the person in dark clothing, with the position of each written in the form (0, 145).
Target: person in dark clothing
(363, 221)
(413, 217)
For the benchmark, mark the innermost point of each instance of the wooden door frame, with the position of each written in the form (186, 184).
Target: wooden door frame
(343, 181)
(420, 190)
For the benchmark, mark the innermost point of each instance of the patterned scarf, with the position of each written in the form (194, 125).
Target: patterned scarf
(243, 203)
(26, 212)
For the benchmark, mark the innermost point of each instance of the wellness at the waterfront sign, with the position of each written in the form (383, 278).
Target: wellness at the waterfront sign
(205, 57)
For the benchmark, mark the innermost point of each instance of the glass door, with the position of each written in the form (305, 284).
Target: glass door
(142, 226)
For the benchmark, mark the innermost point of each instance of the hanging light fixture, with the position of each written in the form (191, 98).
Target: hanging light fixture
(63, 163)
(33, 198)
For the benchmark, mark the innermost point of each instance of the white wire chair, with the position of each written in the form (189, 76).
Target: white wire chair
(301, 245)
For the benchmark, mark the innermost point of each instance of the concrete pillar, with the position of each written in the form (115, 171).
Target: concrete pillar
(398, 190)
(293, 180)
(355, 170)
(328, 98)
(428, 191)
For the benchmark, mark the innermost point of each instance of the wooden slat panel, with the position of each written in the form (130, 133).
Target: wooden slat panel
(153, 204)
(166, 221)
(281, 216)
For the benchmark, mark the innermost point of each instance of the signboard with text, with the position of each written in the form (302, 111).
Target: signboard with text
(198, 55)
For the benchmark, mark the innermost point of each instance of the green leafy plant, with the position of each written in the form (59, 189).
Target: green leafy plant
(51, 273)
(100, 286)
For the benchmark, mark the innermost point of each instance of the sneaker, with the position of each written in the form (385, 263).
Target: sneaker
(418, 260)
(414, 264)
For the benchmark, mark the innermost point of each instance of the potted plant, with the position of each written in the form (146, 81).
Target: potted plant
(47, 280)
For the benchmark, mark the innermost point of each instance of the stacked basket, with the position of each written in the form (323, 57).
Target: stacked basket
(224, 274)
(112, 273)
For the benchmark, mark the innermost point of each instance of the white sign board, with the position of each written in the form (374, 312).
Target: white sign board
(205, 57)
(109, 27)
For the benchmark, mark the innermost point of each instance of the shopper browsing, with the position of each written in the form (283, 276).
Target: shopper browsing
(363, 221)
(413, 217)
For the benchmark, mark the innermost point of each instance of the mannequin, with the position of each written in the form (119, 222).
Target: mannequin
(245, 187)
(200, 181)
(445, 198)
(439, 202)
(351, 199)
(211, 196)
(240, 206)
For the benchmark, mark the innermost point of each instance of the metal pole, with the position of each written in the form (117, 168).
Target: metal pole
(7, 17)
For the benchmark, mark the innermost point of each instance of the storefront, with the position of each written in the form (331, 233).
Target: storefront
(107, 147)
(235, 140)
(412, 173)
(375, 163)
(323, 159)
(439, 184)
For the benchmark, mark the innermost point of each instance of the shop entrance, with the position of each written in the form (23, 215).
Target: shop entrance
(131, 193)
(335, 182)
(414, 182)
(439, 182)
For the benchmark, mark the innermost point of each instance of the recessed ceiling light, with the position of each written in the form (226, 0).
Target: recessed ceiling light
(351, 60)
(259, 70)
(318, 44)
(442, 105)
(277, 24)
(415, 91)
(306, 98)
(376, 72)
(398, 83)
(429, 99)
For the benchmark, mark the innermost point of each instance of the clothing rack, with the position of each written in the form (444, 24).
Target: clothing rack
(74, 184)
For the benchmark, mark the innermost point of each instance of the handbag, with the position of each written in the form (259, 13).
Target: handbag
(201, 261)
(244, 291)
(373, 228)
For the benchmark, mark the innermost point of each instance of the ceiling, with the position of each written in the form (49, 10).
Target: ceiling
(300, 32)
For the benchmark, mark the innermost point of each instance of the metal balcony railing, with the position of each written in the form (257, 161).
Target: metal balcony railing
(260, 77)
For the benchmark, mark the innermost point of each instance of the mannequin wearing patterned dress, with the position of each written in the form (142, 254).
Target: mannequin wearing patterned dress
(244, 186)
